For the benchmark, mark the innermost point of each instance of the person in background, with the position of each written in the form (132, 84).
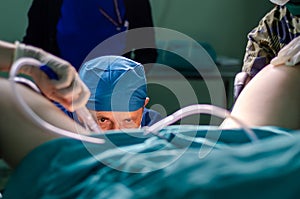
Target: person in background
(276, 29)
(71, 29)
(118, 89)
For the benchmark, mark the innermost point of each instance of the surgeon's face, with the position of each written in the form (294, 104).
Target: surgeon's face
(108, 120)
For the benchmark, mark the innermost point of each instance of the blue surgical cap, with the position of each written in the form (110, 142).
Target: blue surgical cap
(115, 82)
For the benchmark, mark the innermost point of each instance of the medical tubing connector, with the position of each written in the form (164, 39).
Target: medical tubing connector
(198, 109)
(20, 102)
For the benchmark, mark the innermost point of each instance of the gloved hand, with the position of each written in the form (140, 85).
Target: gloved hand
(289, 55)
(68, 90)
(240, 81)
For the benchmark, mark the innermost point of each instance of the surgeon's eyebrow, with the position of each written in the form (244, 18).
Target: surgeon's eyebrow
(99, 116)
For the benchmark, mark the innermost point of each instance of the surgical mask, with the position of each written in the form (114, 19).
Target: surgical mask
(279, 2)
(294, 7)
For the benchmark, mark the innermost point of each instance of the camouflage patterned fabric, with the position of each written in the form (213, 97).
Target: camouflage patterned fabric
(275, 30)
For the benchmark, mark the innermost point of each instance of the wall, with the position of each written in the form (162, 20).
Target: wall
(222, 23)
(13, 19)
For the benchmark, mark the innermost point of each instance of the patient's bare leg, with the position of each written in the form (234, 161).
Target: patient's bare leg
(18, 135)
(272, 97)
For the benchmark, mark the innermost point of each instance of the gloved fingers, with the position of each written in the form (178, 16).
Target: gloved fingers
(82, 97)
(240, 78)
(48, 88)
(63, 69)
(294, 60)
(290, 50)
(293, 45)
(74, 89)
(74, 96)
(283, 56)
(286, 55)
(65, 72)
(278, 61)
(67, 89)
(240, 81)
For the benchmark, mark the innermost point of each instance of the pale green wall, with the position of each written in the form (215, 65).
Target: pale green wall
(222, 23)
(13, 19)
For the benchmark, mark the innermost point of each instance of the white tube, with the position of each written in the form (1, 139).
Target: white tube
(34, 117)
(88, 120)
(198, 109)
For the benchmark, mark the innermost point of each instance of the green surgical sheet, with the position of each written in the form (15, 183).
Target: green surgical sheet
(132, 165)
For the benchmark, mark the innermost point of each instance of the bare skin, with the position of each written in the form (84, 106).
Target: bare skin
(108, 120)
(18, 135)
(271, 98)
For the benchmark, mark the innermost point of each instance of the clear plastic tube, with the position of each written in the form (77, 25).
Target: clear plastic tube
(33, 116)
(198, 109)
(84, 114)
(88, 120)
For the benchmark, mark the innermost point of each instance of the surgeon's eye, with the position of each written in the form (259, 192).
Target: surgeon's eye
(128, 120)
(104, 123)
(102, 120)
(128, 123)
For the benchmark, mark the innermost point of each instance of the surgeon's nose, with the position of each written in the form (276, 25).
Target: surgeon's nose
(116, 126)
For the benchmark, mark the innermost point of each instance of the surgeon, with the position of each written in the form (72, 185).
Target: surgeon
(276, 29)
(118, 93)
